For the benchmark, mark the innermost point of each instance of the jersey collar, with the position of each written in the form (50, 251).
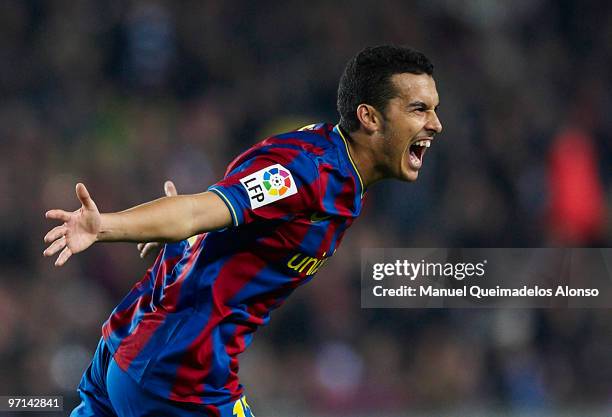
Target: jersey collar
(344, 136)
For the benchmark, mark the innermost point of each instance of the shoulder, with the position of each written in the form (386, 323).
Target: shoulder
(309, 145)
(313, 140)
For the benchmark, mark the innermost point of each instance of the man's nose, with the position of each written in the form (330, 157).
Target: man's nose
(433, 123)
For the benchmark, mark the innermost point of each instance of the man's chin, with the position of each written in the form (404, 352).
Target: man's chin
(409, 175)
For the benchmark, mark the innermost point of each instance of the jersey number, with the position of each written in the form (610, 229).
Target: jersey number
(240, 407)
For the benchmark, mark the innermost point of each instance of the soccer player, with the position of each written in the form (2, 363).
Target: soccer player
(171, 346)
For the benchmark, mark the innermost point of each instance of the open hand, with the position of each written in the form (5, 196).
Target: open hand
(79, 230)
(146, 248)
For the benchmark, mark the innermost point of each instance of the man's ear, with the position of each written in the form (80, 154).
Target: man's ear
(370, 118)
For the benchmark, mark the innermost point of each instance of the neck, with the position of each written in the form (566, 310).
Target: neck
(363, 155)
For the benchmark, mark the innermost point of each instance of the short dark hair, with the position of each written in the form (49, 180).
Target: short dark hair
(367, 79)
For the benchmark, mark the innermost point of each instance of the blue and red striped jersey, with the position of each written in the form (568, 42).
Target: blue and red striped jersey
(181, 328)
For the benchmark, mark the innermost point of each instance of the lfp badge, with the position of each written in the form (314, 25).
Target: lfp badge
(277, 181)
(268, 185)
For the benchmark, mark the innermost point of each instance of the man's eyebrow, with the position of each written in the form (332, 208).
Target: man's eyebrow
(417, 104)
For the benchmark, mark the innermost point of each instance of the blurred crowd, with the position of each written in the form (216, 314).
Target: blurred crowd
(123, 95)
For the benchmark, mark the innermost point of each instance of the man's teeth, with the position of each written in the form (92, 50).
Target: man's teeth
(425, 143)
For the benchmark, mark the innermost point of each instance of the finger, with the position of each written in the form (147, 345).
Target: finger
(140, 246)
(55, 247)
(55, 233)
(169, 188)
(58, 215)
(148, 248)
(84, 197)
(63, 257)
(144, 250)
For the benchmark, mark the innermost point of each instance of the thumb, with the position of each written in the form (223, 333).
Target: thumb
(84, 197)
(169, 188)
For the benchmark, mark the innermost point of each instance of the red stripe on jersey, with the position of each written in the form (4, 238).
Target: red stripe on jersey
(232, 384)
(122, 318)
(288, 155)
(133, 344)
(237, 344)
(309, 147)
(130, 347)
(125, 317)
(324, 170)
(345, 195)
(344, 200)
(190, 375)
(213, 410)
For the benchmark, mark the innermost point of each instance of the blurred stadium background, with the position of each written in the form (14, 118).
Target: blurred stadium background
(123, 95)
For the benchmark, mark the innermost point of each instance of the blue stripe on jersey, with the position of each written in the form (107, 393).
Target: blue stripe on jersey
(171, 324)
(331, 194)
(161, 375)
(219, 369)
(237, 216)
(336, 236)
(264, 282)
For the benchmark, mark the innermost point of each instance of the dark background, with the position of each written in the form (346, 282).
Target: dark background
(125, 94)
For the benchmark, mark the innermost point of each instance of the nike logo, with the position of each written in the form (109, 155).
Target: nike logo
(318, 217)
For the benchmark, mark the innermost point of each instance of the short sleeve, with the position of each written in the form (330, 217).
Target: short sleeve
(269, 182)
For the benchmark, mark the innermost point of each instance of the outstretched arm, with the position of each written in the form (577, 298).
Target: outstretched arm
(168, 219)
(144, 248)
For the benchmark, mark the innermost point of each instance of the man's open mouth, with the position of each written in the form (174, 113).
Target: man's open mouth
(416, 152)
